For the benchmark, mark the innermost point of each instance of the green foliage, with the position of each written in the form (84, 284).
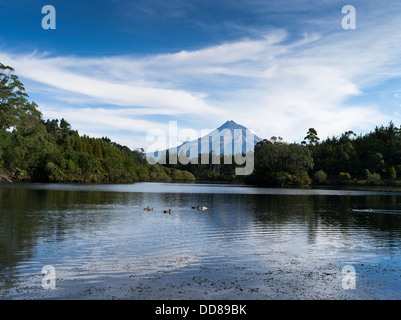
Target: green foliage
(378, 151)
(367, 174)
(222, 170)
(392, 173)
(372, 178)
(57, 153)
(311, 136)
(301, 179)
(320, 177)
(180, 175)
(344, 177)
(283, 178)
(280, 163)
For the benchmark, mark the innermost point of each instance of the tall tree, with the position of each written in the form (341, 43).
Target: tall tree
(15, 109)
(311, 136)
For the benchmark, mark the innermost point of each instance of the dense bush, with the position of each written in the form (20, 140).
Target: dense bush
(320, 176)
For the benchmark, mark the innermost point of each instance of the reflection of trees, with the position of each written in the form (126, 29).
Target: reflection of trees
(278, 212)
(29, 214)
(329, 211)
(313, 213)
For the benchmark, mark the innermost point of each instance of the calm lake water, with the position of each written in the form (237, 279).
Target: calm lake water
(253, 243)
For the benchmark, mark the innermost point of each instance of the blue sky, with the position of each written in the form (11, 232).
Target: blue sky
(121, 68)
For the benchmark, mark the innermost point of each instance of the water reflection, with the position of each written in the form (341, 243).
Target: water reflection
(101, 237)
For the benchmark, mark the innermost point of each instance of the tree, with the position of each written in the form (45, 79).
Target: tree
(311, 136)
(372, 178)
(392, 173)
(320, 176)
(15, 109)
(344, 177)
(376, 162)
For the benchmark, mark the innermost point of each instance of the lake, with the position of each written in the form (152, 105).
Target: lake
(253, 243)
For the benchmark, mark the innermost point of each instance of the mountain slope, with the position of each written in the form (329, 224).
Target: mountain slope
(228, 139)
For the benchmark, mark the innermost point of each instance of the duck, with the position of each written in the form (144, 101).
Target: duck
(167, 211)
(203, 208)
(148, 209)
(194, 207)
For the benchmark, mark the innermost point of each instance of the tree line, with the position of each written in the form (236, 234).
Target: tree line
(372, 158)
(34, 149)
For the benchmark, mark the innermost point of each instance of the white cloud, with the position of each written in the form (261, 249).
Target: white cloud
(125, 92)
(273, 84)
(118, 124)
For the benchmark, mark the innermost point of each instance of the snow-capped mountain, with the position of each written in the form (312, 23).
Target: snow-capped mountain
(228, 139)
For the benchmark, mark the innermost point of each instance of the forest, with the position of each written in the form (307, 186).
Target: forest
(350, 159)
(35, 149)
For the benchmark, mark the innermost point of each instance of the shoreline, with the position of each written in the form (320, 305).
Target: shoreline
(382, 187)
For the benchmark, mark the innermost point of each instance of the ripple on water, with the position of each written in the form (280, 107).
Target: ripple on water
(257, 244)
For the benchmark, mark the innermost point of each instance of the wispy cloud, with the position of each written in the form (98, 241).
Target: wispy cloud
(277, 84)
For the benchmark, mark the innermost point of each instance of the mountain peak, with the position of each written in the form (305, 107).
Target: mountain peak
(206, 142)
(231, 125)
